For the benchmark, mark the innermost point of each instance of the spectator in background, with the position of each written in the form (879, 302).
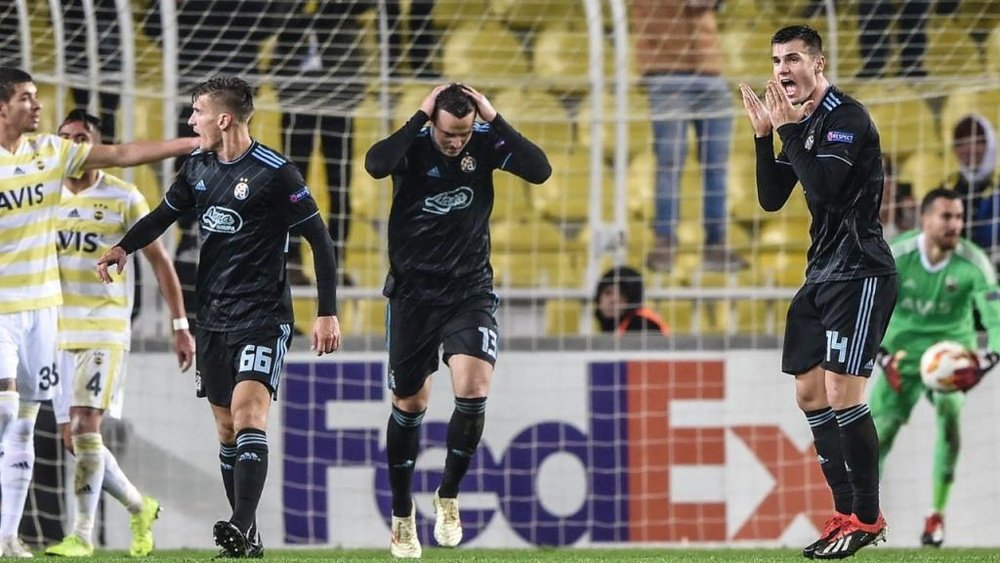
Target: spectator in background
(319, 73)
(975, 146)
(678, 53)
(108, 54)
(910, 19)
(618, 304)
(898, 212)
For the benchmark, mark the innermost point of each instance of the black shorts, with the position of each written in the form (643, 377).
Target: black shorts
(416, 331)
(839, 325)
(226, 358)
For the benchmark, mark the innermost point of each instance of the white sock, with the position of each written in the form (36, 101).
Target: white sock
(87, 481)
(116, 483)
(8, 410)
(16, 468)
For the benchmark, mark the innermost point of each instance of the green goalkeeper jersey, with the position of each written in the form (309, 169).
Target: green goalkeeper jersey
(935, 302)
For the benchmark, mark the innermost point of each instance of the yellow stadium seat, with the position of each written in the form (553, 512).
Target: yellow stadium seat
(148, 183)
(483, 55)
(512, 199)
(516, 269)
(641, 203)
(952, 52)
(639, 133)
(364, 238)
(536, 236)
(903, 117)
(538, 115)
(754, 316)
(562, 317)
(368, 318)
(450, 13)
(784, 234)
(677, 313)
(716, 317)
(992, 48)
(565, 196)
(924, 171)
(519, 14)
(408, 102)
(367, 269)
(561, 59)
(783, 269)
(747, 51)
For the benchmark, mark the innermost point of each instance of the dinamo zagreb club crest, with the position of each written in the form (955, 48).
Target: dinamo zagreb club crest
(468, 163)
(809, 141)
(242, 190)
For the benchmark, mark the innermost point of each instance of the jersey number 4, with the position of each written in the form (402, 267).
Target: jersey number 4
(255, 358)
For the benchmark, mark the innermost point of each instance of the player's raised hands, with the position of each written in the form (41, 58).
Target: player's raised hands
(483, 105)
(427, 106)
(116, 255)
(326, 335)
(780, 108)
(756, 111)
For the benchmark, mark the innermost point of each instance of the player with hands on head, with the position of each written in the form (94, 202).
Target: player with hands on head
(94, 338)
(837, 319)
(248, 198)
(943, 279)
(34, 166)
(440, 284)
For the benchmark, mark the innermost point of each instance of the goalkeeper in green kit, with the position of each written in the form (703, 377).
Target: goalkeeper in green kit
(941, 278)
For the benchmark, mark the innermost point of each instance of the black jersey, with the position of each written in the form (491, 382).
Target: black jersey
(439, 237)
(245, 209)
(835, 154)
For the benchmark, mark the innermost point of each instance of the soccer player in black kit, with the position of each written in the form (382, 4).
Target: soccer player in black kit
(837, 319)
(247, 197)
(440, 284)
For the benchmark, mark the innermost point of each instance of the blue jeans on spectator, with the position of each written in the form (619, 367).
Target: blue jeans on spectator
(676, 100)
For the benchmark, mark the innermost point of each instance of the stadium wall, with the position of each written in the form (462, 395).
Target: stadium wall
(580, 449)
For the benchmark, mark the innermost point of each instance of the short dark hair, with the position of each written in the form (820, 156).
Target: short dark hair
(808, 35)
(936, 194)
(455, 101)
(232, 92)
(10, 77)
(969, 127)
(90, 121)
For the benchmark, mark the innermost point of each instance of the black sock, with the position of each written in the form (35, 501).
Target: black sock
(227, 461)
(464, 431)
(860, 442)
(402, 443)
(249, 476)
(829, 452)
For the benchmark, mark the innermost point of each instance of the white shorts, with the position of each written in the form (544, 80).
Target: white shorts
(92, 378)
(28, 352)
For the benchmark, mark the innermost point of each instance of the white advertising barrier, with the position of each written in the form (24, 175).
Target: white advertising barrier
(579, 449)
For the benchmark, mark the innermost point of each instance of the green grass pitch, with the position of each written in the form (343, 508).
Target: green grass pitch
(878, 554)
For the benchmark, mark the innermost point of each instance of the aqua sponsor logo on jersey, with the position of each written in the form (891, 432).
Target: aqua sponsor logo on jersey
(220, 219)
(298, 196)
(26, 195)
(839, 137)
(444, 203)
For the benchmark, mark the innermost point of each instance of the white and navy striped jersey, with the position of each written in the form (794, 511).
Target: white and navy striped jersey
(95, 314)
(245, 209)
(30, 185)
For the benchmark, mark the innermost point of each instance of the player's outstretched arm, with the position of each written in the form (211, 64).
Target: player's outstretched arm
(170, 287)
(138, 152)
(145, 231)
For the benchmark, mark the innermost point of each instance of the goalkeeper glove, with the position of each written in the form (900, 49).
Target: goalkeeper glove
(890, 367)
(969, 377)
